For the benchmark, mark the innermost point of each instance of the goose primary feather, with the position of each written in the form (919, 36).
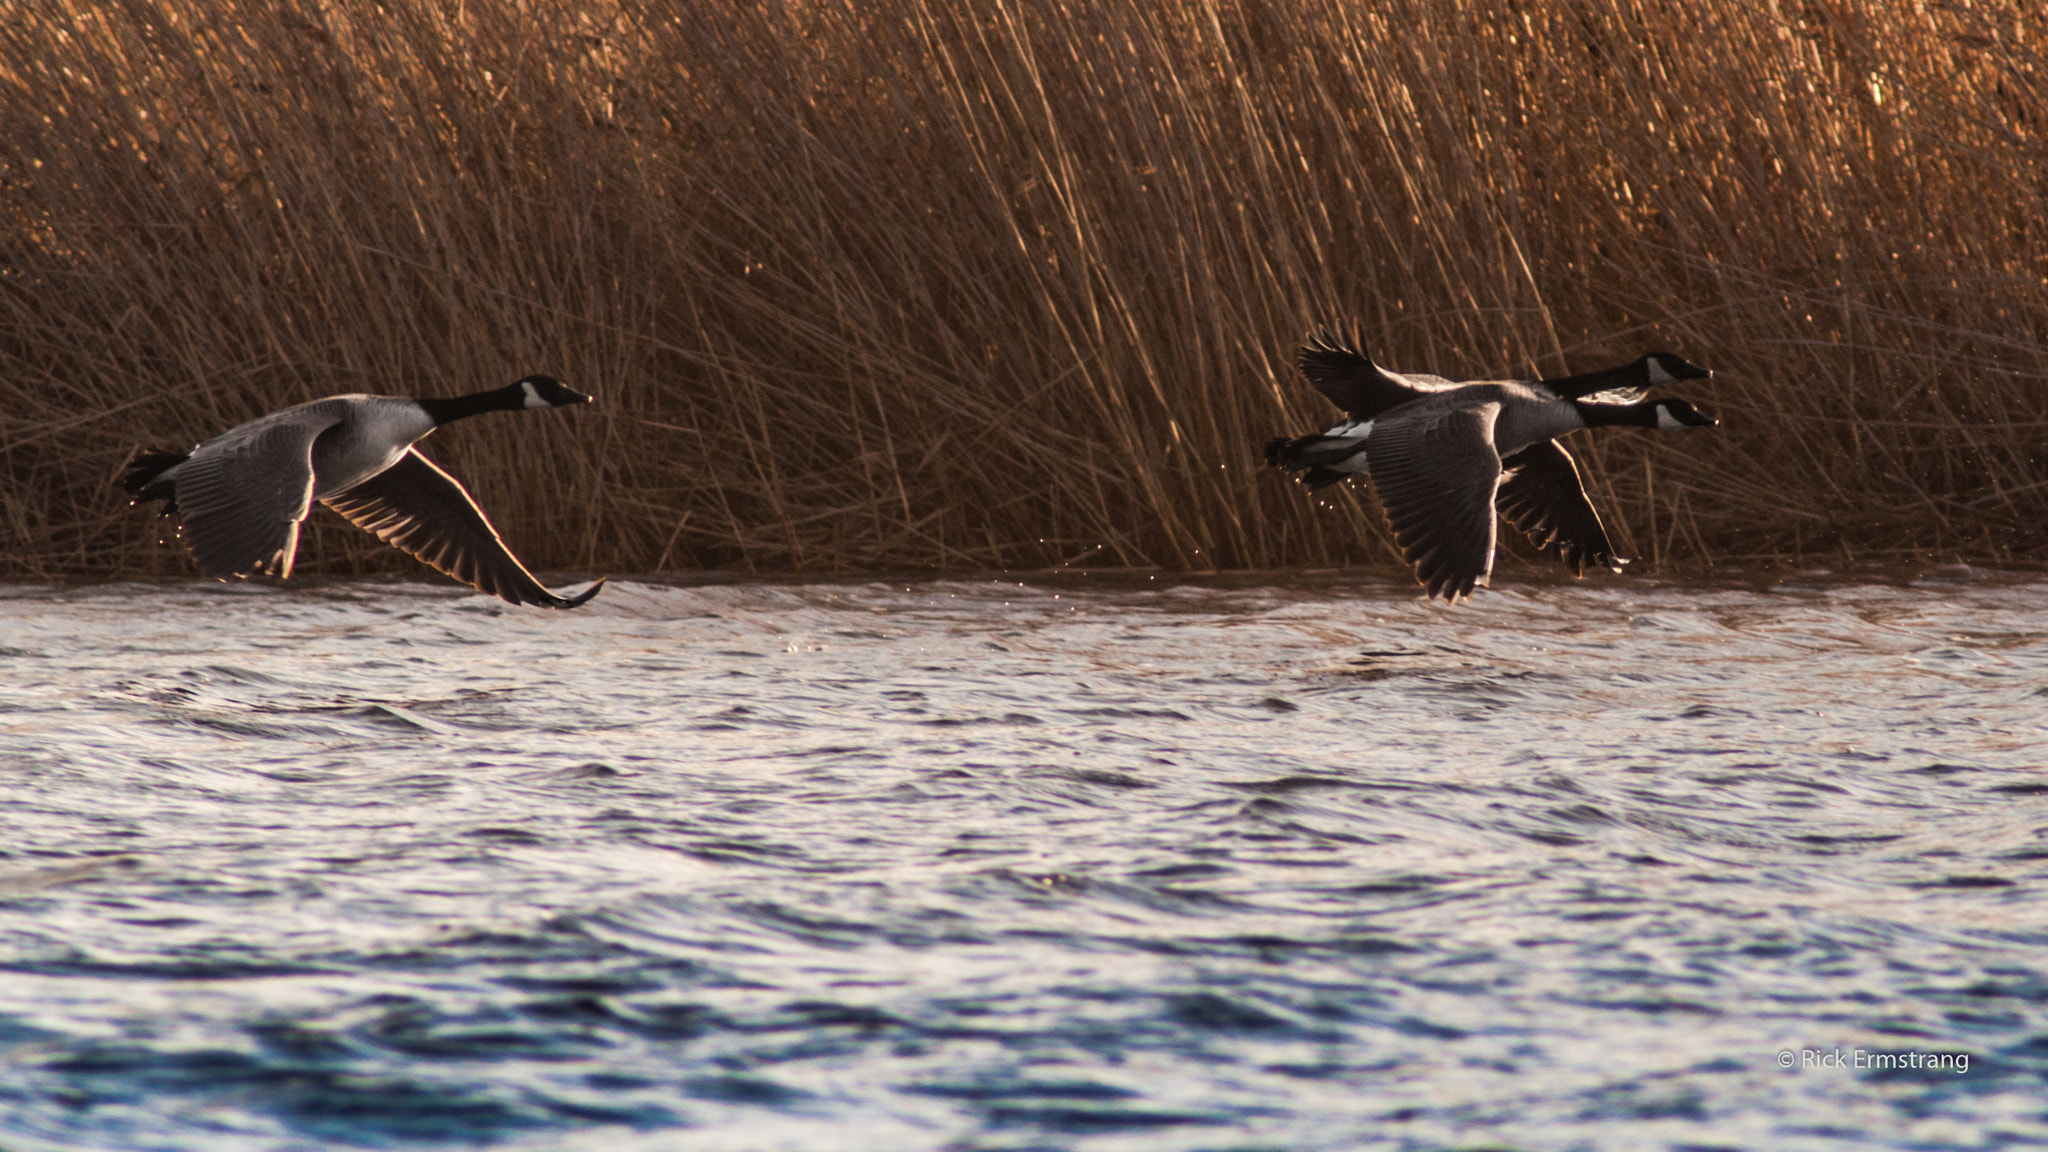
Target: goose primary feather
(1449, 459)
(242, 495)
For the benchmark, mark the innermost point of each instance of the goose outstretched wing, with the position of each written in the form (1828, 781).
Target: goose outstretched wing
(1353, 382)
(1542, 496)
(1435, 471)
(416, 507)
(243, 494)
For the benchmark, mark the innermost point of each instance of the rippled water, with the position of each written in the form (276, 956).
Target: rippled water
(987, 865)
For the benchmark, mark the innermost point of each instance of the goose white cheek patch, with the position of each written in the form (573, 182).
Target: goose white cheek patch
(533, 399)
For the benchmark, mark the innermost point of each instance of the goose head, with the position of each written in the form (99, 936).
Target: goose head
(1660, 368)
(548, 392)
(1666, 415)
(1679, 416)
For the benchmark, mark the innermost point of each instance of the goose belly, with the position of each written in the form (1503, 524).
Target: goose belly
(335, 472)
(373, 439)
(1521, 425)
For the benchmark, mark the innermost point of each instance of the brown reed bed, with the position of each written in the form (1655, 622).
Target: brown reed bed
(990, 284)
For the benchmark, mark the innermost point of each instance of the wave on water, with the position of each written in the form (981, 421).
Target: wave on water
(1304, 863)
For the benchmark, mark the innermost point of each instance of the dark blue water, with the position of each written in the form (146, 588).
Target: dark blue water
(982, 865)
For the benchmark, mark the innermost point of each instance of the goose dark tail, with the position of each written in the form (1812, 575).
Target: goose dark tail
(143, 480)
(1310, 455)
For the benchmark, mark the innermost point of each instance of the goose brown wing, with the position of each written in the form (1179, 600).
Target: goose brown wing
(416, 507)
(1435, 470)
(243, 493)
(1542, 496)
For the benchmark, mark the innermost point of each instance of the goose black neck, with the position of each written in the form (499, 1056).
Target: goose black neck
(1613, 415)
(442, 410)
(1588, 383)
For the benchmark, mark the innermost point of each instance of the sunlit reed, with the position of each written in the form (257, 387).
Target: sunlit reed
(903, 283)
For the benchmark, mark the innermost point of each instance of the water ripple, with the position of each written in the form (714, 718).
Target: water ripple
(1076, 863)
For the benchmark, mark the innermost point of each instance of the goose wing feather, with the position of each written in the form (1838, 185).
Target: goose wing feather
(244, 493)
(1435, 469)
(416, 507)
(1351, 381)
(1542, 496)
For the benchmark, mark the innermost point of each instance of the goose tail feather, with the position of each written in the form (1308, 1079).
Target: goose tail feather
(142, 479)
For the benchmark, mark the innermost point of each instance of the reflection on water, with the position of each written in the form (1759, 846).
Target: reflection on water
(1304, 865)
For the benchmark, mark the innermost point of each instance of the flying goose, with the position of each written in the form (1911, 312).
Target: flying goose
(1448, 458)
(244, 493)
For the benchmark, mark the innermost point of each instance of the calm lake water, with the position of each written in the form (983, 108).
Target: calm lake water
(1308, 864)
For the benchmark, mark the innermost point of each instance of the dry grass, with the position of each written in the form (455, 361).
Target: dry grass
(893, 283)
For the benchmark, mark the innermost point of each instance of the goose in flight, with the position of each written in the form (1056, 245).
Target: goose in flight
(243, 494)
(1449, 459)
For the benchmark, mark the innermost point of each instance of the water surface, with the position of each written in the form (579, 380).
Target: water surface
(1309, 864)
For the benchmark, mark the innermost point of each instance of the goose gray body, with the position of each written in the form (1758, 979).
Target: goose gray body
(243, 494)
(1450, 459)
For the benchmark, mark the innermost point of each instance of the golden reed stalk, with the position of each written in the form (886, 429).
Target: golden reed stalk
(1017, 283)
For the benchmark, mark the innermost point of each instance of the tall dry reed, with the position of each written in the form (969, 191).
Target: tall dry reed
(993, 283)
